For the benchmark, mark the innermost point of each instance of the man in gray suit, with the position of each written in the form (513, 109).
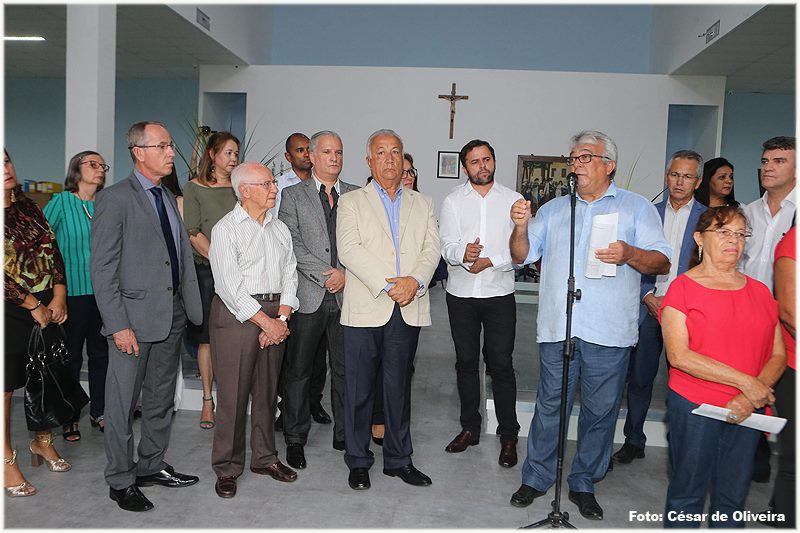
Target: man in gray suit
(146, 286)
(309, 210)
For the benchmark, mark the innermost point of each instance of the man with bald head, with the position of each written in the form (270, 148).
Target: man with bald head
(146, 287)
(387, 238)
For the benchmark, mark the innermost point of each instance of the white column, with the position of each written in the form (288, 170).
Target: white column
(91, 82)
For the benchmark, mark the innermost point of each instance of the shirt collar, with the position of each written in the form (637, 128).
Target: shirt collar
(318, 183)
(789, 198)
(686, 207)
(382, 192)
(611, 191)
(146, 183)
(469, 189)
(240, 215)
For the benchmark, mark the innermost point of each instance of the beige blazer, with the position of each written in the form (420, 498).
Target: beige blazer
(365, 248)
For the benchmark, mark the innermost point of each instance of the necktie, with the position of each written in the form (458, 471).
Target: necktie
(166, 229)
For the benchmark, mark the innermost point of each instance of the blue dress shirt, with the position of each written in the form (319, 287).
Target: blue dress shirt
(608, 311)
(172, 215)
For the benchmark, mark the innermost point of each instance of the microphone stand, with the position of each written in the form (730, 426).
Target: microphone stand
(557, 518)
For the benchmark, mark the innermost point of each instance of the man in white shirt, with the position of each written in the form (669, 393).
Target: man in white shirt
(679, 214)
(298, 157)
(475, 231)
(771, 215)
(255, 278)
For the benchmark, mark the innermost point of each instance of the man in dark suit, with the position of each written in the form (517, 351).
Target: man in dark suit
(679, 214)
(146, 286)
(309, 211)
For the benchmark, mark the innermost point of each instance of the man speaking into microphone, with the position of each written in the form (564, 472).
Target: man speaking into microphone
(618, 238)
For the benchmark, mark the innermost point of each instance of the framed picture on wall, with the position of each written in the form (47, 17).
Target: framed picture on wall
(448, 167)
(541, 178)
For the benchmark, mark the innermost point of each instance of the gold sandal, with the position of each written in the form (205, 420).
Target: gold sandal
(55, 465)
(23, 489)
(208, 424)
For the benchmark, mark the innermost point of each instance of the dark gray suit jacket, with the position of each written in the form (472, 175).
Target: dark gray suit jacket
(130, 267)
(301, 210)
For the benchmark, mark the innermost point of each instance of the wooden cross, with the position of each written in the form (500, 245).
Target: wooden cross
(453, 98)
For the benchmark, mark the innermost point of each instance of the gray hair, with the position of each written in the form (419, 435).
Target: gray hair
(242, 172)
(595, 137)
(380, 132)
(312, 142)
(687, 154)
(136, 135)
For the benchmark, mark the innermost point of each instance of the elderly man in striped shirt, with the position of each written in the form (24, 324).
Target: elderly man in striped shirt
(255, 279)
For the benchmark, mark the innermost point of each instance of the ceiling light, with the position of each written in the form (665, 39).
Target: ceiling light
(23, 38)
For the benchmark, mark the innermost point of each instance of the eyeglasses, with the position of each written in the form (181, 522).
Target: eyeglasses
(160, 146)
(727, 233)
(266, 184)
(411, 172)
(95, 165)
(678, 175)
(585, 158)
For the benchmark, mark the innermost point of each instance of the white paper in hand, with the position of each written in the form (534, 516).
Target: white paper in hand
(604, 232)
(770, 424)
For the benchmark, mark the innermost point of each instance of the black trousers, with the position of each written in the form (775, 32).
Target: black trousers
(784, 494)
(497, 316)
(365, 348)
(83, 326)
(306, 330)
(319, 374)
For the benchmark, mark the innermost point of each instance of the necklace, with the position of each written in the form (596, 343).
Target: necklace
(86, 211)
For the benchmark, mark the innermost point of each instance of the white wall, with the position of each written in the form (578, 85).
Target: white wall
(518, 112)
(674, 39)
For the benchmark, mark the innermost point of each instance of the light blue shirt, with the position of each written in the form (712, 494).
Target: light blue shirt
(608, 311)
(392, 209)
(172, 215)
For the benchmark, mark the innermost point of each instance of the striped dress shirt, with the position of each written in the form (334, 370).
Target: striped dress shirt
(250, 258)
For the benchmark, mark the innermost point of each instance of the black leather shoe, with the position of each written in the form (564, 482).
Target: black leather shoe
(338, 445)
(295, 456)
(359, 479)
(279, 423)
(627, 454)
(225, 487)
(587, 505)
(130, 499)
(319, 415)
(167, 478)
(409, 474)
(525, 495)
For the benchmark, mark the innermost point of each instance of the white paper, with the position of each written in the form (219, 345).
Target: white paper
(604, 232)
(770, 424)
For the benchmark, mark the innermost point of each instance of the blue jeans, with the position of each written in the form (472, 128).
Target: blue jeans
(707, 455)
(642, 370)
(602, 373)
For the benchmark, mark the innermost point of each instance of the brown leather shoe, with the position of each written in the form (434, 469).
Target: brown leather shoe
(463, 440)
(277, 470)
(508, 453)
(226, 487)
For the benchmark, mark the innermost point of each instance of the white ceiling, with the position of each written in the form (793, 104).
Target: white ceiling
(757, 56)
(152, 42)
(155, 42)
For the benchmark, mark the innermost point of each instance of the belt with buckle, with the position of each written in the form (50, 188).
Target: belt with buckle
(267, 296)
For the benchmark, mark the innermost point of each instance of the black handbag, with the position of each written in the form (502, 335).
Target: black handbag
(52, 395)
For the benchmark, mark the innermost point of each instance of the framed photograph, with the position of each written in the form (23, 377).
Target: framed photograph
(541, 178)
(448, 167)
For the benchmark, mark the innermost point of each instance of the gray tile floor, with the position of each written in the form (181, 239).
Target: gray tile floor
(469, 490)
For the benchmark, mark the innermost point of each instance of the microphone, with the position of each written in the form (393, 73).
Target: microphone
(659, 194)
(572, 183)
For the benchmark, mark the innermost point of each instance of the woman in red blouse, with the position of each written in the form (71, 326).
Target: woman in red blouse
(725, 348)
(35, 292)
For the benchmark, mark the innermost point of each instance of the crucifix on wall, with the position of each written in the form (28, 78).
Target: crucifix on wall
(453, 98)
